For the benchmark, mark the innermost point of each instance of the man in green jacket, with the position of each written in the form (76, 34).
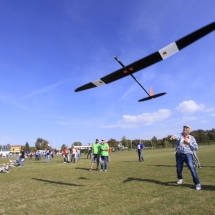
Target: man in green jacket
(96, 154)
(104, 155)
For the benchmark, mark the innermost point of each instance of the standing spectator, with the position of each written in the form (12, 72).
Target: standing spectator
(64, 153)
(31, 155)
(140, 148)
(89, 152)
(185, 145)
(73, 154)
(109, 151)
(22, 158)
(104, 155)
(96, 153)
(79, 154)
(39, 155)
(36, 156)
(47, 155)
(52, 153)
(68, 155)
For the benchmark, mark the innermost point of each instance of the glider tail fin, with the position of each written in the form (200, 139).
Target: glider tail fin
(151, 91)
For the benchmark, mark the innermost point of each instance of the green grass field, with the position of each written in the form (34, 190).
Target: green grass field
(128, 187)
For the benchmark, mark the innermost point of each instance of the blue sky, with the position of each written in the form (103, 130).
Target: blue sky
(49, 48)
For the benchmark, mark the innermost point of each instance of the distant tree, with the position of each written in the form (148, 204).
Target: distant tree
(135, 143)
(112, 143)
(27, 147)
(33, 149)
(147, 143)
(159, 143)
(124, 141)
(154, 142)
(211, 134)
(129, 144)
(41, 144)
(77, 144)
(63, 146)
(200, 136)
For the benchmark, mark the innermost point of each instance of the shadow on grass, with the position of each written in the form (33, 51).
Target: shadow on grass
(84, 168)
(162, 165)
(207, 167)
(83, 178)
(56, 182)
(171, 183)
(130, 161)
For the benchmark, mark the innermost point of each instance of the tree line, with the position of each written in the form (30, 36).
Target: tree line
(202, 137)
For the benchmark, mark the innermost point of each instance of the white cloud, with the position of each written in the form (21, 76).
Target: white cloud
(45, 89)
(212, 115)
(205, 121)
(210, 109)
(191, 118)
(189, 107)
(143, 119)
(64, 123)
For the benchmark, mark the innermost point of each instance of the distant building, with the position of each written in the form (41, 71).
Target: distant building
(119, 145)
(4, 148)
(82, 147)
(15, 148)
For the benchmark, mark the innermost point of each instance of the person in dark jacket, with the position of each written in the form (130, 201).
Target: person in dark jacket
(22, 157)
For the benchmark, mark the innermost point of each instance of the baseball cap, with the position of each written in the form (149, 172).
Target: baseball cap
(187, 126)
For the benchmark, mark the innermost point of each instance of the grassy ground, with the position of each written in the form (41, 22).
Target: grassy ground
(128, 187)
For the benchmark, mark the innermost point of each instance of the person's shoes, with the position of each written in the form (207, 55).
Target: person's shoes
(64, 162)
(90, 169)
(101, 170)
(105, 170)
(199, 167)
(179, 181)
(198, 187)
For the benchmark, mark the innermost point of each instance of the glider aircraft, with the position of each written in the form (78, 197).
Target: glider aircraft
(149, 60)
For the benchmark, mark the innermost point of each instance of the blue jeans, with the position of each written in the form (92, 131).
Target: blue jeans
(180, 160)
(47, 158)
(104, 162)
(140, 155)
(21, 161)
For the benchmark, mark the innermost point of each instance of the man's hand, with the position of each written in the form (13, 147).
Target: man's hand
(187, 142)
(172, 138)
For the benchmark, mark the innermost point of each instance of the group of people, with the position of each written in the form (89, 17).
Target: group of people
(76, 155)
(100, 155)
(186, 147)
(48, 154)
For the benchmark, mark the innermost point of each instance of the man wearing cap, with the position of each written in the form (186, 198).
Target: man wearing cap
(96, 153)
(185, 145)
(104, 155)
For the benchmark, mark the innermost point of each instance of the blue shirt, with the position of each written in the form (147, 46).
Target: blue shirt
(140, 146)
(183, 148)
